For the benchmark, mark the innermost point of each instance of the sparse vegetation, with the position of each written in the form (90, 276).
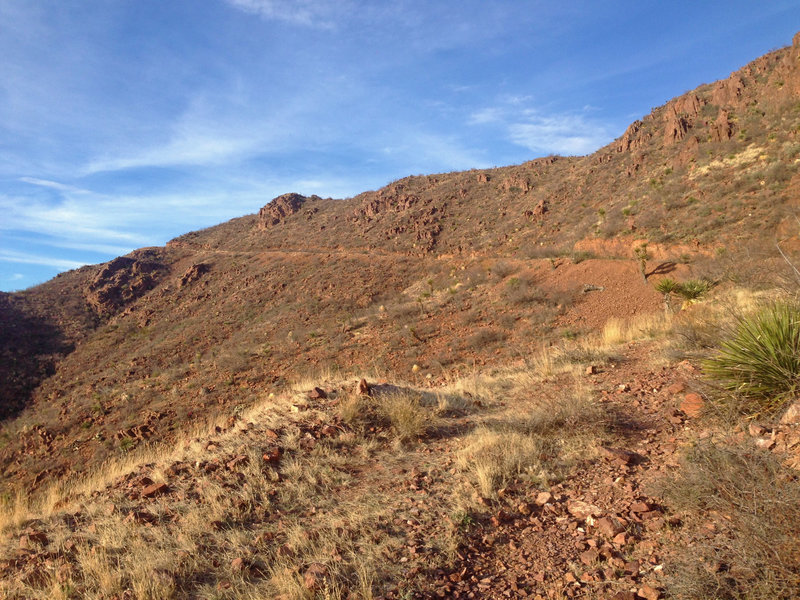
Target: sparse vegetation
(750, 504)
(641, 255)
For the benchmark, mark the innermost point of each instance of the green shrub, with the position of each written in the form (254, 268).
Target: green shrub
(667, 286)
(761, 359)
(692, 289)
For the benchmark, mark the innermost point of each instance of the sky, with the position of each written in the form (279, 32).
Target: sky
(125, 123)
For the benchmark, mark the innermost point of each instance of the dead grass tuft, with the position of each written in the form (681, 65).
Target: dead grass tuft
(540, 445)
(754, 504)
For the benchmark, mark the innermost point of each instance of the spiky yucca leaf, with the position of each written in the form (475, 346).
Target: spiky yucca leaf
(692, 289)
(667, 286)
(761, 361)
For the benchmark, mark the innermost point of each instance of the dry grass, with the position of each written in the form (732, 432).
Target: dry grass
(617, 331)
(754, 504)
(279, 521)
(540, 444)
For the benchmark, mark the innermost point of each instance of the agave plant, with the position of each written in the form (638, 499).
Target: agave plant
(761, 360)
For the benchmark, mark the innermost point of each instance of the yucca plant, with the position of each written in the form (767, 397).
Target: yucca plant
(761, 360)
(667, 286)
(692, 289)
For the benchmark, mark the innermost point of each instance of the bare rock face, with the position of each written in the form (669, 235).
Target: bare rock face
(123, 280)
(280, 208)
(728, 91)
(406, 213)
(634, 137)
(722, 128)
(193, 273)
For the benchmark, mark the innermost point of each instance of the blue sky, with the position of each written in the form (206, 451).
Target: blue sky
(124, 123)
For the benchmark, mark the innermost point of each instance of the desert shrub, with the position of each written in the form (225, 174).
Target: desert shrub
(521, 291)
(667, 286)
(497, 457)
(692, 289)
(755, 506)
(760, 361)
(578, 256)
(541, 446)
(401, 411)
(409, 419)
(485, 337)
(503, 269)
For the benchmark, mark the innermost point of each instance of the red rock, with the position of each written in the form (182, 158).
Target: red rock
(640, 507)
(280, 208)
(525, 509)
(692, 405)
(232, 464)
(792, 414)
(618, 454)
(591, 370)
(155, 489)
(590, 556)
(624, 596)
(500, 518)
(272, 455)
(582, 510)
(543, 498)
(756, 430)
(609, 526)
(650, 514)
(314, 576)
(632, 568)
(648, 593)
(364, 388)
(766, 443)
(237, 564)
(676, 388)
(620, 539)
(141, 517)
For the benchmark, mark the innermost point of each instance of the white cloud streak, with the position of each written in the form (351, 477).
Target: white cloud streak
(546, 133)
(310, 13)
(9, 256)
(559, 134)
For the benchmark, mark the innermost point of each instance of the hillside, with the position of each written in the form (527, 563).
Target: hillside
(429, 282)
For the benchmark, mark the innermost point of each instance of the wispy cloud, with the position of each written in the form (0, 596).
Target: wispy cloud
(570, 133)
(310, 13)
(46, 183)
(9, 256)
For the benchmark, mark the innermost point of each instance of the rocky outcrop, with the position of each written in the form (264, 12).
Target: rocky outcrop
(722, 128)
(123, 280)
(280, 208)
(403, 212)
(728, 92)
(193, 273)
(634, 137)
